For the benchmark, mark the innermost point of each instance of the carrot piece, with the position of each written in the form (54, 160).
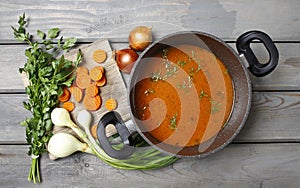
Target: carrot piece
(99, 56)
(92, 90)
(102, 69)
(96, 73)
(82, 70)
(76, 93)
(111, 104)
(69, 106)
(83, 80)
(94, 131)
(92, 103)
(65, 96)
(101, 82)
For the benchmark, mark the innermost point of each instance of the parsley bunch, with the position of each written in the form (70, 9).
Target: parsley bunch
(47, 74)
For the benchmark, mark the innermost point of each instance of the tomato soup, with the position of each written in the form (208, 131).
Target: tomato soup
(183, 95)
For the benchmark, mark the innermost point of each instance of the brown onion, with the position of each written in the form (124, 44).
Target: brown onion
(140, 37)
(125, 59)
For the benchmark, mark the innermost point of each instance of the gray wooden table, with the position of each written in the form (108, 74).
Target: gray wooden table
(265, 154)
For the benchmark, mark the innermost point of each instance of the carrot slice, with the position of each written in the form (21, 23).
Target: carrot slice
(94, 131)
(83, 81)
(102, 69)
(92, 90)
(92, 103)
(76, 93)
(96, 73)
(111, 104)
(101, 82)
(82, 70)
(99, 56)
(69, 106)
(65, 96)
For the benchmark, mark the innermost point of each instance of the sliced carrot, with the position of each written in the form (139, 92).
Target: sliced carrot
(96, 73)
(83, 81)
(65, 96)
(101, 82)
(111, 104)
(92, 90)
(76, 93)
(94, 131)
(82, 70)
(69, 106)
(99, 56)
(102, 69)
(92, 103)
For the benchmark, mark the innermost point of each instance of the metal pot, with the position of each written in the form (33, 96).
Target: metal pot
(233, 61)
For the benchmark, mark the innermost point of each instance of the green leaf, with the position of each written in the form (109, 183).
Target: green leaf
(24, 123)
(41, 34)
(48, 125)
(68, 82)
(45, 110)
(69, 42)
(53, 33)
(22, 21)
(26, 105)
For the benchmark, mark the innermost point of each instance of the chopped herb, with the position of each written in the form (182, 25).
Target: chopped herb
(171, 70)
(173, 122)
(221, 94)
(207, 73)
(193, 54)
(149, 91)
(186, 84)
(198, 68)
(202, 94)
(165, 53)
(156, 76)
(226, 71)
(215, 105)
(170, 67)
(192, 72)
(181, 63)
(144, 107)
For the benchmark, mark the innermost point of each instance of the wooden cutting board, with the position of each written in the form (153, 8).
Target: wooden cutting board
(114, 88)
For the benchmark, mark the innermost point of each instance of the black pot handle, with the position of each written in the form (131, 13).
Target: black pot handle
(255, 67)
(114, 118)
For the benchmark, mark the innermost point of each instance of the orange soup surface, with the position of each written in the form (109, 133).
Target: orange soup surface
(183, 96)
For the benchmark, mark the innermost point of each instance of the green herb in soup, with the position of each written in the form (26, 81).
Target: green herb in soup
(186, 94)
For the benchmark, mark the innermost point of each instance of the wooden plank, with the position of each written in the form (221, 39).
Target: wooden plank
(285, 77)
(12, 113)
(274, 117)
(114, 19)
(238, 165)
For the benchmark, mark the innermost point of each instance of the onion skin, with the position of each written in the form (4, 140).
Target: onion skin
(140, 38)
(125, 59)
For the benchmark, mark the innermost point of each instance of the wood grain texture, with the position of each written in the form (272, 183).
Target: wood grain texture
(274, 117)
(238, 165)
(265, 153)
(114, 18)
(285, 77)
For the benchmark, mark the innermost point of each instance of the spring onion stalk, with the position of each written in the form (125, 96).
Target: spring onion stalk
(142, 159)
